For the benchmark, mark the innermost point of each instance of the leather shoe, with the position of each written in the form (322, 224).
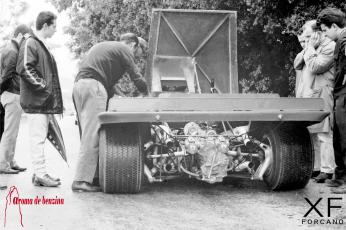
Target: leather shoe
(315, 174)
(18, 168)
(334, 183)
(3, 187)
(8, 171)
(322, 177)
(45, 181)
(82, 186)
(52, 178)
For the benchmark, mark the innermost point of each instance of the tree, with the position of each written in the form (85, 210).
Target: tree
(267, 30)
(10, 11)
(93, 21)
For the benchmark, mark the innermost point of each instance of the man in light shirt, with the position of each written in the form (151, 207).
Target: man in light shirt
(316, 63)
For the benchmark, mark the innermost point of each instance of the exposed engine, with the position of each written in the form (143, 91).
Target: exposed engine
(210, 150)
(206, 151)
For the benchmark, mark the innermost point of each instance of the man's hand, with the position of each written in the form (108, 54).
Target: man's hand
(315, 40)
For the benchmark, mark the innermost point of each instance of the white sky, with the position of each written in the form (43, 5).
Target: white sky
(67, 65)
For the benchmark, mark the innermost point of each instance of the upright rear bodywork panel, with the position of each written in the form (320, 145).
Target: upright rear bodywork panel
(198, 124)
(207, 40)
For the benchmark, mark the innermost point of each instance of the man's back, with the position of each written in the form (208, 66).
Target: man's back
(9, 77)
(110, 60)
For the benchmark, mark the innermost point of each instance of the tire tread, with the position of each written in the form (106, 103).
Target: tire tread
(121, 160)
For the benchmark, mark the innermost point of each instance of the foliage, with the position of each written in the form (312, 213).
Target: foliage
(10, 11)
(267, 43)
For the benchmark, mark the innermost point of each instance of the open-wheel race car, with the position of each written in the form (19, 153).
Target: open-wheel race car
(195, 123)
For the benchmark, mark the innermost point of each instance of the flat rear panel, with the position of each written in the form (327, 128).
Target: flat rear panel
(207, 37)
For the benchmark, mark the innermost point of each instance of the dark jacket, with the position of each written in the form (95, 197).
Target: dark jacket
(40, 90)
(340, 64)
(9, 80)
(107, 62)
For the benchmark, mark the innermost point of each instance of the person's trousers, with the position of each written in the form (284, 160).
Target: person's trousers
(13, 113)
(38, 130)
(339, 134)
(324, 152)
(90, 98)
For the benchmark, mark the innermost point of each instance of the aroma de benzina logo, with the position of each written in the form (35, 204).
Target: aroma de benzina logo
(14, 199)
(325, 216)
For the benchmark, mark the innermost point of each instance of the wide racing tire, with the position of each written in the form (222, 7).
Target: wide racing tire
(292, 157)
(121, 158)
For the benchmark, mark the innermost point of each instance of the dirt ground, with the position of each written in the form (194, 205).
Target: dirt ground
(177, 204)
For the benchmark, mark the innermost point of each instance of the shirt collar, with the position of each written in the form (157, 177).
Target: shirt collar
(42, 40)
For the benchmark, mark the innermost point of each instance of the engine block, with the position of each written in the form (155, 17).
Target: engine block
(210, 149)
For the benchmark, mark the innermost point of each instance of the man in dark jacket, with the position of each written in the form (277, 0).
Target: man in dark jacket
(333, 24)
(9, 86)
(103, 66)
(40, 92)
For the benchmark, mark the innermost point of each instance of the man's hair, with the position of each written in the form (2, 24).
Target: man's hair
(22, 29)
(129, 37)
(329, 16)
(44, 17)
(309, 24)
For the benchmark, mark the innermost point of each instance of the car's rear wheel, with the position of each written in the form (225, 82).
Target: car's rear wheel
(121, 158)
(292, 157)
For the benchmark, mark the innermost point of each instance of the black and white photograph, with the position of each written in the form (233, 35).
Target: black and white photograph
(172, 114)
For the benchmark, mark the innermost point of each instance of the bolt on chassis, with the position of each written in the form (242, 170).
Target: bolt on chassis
(196, 123)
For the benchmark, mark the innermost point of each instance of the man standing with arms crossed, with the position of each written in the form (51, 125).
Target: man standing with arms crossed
(10, 100)
(103, 66)
(40, 92)
(333, 22)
